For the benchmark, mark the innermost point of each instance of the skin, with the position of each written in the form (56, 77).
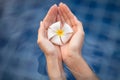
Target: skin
(51, 51)
(70, 53)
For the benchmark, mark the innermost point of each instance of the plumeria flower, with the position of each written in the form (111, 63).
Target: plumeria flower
(59, 35)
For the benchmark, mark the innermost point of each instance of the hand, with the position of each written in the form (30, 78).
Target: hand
(47, 47)
(71, 52)
(74, 46)
(51, 51)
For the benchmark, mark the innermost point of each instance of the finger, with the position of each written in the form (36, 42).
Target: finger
(69, 14)
(58, 17)
(41, 31)
(51, 16)
(61, 17)
(64, 14)
(59, 20)
(74, 21)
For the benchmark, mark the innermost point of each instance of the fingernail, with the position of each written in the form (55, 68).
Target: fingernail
(61, 3)
(40, 22)
(54, 5)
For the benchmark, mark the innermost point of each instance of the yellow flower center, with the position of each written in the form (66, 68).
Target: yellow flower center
(60, 32)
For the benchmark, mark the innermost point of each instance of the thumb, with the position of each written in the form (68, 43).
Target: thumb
(41, 31)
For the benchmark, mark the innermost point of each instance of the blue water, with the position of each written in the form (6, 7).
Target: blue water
(20, 56)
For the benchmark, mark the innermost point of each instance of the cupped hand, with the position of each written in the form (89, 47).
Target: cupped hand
(70, 52)
(46, 46)
(74, 46)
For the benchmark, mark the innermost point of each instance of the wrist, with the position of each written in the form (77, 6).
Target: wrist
(53, 60)
(53, 56)
(79, 67)
(71, 55)
(55, 68)
(51, 53)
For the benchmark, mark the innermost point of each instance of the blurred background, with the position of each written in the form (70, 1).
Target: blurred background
(20, 56)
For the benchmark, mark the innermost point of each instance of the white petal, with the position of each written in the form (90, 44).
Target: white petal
(55, 26)
(56, 40)
(51, 33)
(66, 38)
(67, 28)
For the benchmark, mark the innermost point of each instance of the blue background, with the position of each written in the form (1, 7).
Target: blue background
(20, 56)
